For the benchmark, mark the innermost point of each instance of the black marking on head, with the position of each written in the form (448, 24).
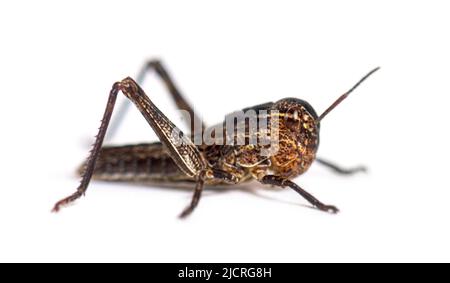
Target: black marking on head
(303, 103)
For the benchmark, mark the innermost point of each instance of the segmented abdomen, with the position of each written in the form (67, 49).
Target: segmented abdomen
(140, 163)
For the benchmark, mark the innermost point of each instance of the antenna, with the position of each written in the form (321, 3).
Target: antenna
(344, 96)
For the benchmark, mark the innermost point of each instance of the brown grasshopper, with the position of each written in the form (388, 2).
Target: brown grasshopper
(176, 159)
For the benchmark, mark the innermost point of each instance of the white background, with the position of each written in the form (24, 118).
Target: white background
(58, 61)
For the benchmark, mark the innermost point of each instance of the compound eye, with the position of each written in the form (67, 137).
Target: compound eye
(293, 118)
(292, 112)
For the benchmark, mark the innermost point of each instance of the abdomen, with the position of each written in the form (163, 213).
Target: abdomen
(137, 163)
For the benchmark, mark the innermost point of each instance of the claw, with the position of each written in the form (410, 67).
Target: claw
(329, 208)
(185, 212)
(66, 201)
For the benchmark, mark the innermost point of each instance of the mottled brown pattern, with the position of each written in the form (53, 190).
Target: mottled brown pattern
(298, 139)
